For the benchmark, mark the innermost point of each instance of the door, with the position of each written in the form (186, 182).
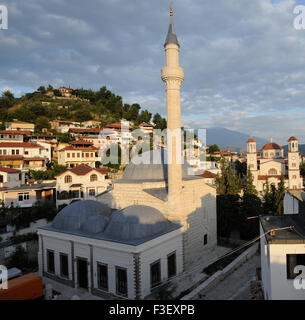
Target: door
(82, 272)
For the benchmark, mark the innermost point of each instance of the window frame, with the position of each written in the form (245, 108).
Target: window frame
(100, 287)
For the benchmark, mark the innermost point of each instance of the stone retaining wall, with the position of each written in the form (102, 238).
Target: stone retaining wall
(221, 274)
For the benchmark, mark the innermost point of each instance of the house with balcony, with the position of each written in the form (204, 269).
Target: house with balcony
(24, 155)
(80, 183)
(25, 195)
(14, 135)
(78, 152)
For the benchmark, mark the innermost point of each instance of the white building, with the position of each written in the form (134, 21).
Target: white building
(10, 177)
(80, 183)
(126, 253)
(281, 252)
(270, 163)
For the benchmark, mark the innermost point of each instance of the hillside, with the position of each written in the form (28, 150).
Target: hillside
(47, 104)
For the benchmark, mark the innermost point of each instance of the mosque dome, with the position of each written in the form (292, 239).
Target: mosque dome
(292, 139)
(136, 222)
(78, 214)
(152, 166)
(95, 224)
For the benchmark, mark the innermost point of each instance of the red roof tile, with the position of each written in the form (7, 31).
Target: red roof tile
(271, 146)
(207, 174)
(292, 139)
(82, 170)
(264, 177)
(9, 170)
(18, 145)
(20, 132)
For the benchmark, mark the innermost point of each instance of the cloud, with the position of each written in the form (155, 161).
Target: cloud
(244, 62)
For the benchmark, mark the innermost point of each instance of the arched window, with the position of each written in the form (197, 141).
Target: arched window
(68, 179)
(93, 177)
(272, 172)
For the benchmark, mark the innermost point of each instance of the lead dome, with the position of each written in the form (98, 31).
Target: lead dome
(153, 167)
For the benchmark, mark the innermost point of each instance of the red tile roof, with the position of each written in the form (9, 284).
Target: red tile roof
(9, 170)
(207, 174)
(292, 139)
(88, 130)
(271, 146)
(82, 170)
(20, 132)
(251, 140)
(89, 148)
(18, 145)
(83, 142)
(264, 177)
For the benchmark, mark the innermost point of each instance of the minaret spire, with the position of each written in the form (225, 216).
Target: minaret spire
(173, 76)
(171, 35)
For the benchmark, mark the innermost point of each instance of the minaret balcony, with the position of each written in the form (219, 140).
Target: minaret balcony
(172, 73)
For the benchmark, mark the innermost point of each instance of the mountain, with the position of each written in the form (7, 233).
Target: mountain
(226, 138)
(301, 149)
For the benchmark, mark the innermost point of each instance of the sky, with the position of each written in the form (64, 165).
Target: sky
(244, 61)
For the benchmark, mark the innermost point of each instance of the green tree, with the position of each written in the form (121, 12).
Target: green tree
(42, 90)
(41, 123)
(279, 197)
(213, 148)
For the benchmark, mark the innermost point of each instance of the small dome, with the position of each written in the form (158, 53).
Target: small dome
(251, 140)
(95, 224)
(76, 214)
(135, 222)
(271, 146)
(292, 139)
(154, 167)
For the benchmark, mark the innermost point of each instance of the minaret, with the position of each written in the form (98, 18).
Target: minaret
(173, 76)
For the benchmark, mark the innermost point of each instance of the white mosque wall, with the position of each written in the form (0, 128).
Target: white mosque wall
(113, 254)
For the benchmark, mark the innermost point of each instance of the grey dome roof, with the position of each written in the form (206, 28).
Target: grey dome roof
(135, 222)
(153, 167)
(95, 224)
(75, 215)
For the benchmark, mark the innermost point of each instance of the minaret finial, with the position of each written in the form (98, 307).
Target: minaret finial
(171, 9)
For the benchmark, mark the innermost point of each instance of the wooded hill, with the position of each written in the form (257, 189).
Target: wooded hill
(102, 105)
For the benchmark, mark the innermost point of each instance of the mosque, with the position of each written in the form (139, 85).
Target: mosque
(152, 225)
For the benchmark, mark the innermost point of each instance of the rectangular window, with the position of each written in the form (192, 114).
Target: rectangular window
(1, 179)
(205, 239)
(78, 155)
(75, 194)
(20, 196)
(171, 265)
(102, 276)
(87, 155)
(68, 155)
(0, 152)
(26, 196)
(13, 151)
(73, 155)
(293, 260)
(64, 265)
(121, 281)
(91, 192)
(26, 152)
(155, 273)
(50, 261)
(17, 151)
